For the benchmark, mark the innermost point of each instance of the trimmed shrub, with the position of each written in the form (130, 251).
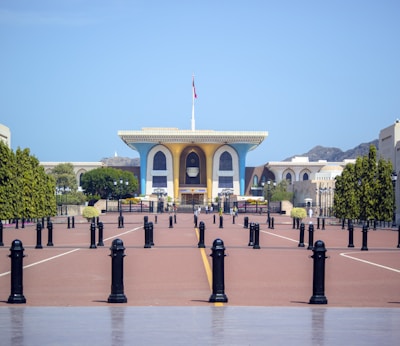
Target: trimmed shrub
(90, 212)
(298, 213)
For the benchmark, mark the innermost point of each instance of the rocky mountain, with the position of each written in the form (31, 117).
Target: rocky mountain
(332, 154)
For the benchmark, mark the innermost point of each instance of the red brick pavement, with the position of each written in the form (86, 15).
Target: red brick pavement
(173, 272)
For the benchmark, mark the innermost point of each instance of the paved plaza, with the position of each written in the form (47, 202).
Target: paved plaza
(168, 286)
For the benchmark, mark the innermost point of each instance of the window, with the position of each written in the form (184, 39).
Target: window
(159, 181)
(192, 160)
(225, 162)
(289, 178)
(255, 180)
(225, 182)
(159, 161)
(305, 176)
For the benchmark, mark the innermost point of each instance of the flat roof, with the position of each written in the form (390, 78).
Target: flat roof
(174, 135)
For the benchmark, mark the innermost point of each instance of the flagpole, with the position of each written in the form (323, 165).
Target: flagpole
(193, 97)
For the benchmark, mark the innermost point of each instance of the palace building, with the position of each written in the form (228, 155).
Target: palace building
(192, 166)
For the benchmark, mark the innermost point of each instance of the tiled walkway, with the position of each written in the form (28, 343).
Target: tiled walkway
(66, 287)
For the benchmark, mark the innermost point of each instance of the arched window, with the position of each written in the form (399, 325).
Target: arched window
(192, 160)
(159, 164)
(159, 161)
(305, 176)
(255, 180)
(192, 169)
(225, 162)
(289, 178)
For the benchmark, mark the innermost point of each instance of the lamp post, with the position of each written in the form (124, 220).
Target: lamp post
(160, 203)
(120, 190)
(394, 179)
(269, 197)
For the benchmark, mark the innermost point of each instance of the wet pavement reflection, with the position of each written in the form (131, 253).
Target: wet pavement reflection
(117, 325)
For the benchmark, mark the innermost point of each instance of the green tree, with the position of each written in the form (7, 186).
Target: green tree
(7, 160)
(279, 192)
(364, 189)
(66, 183)
(105, 182)
(25, 190)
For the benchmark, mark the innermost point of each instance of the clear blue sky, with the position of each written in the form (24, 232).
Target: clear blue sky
(74, 72)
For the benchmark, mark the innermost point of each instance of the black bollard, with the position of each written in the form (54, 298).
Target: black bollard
(175, 218)
(221, 221)
(233, 219)
(50, 234)
(120, 221)
(398, 241)
(147, 243)
(256, 236)
(269, 220)
(100, 226)
(343, 221)
(145, 220)
(364, 238)
(310, 236)
(319, 257)
(23, 222)
(214, 218)
(73, 222)
(1, 234)
(218, 280)
(93, 236)
(323, 224)
(170, 222)
(69, 222)
(16, 224)
(38, 236)
(201, 235)
(117, 272)
(246, 222)
(351, 235)
(155, 219)
(301, 241)
(297, 223)
(251, 234)
(272, 223)
(16, 255)
(317, 222)
(151, 229)
(195, 221)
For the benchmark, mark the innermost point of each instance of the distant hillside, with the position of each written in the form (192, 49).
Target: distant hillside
(121, 161)
(336, 154)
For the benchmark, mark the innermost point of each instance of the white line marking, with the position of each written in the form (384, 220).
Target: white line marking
(68, 252)
(117, 235)
(42, 261)
(368, 262)
(281, 236)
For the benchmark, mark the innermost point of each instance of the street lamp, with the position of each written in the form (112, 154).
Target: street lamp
(120, 190)
(160, 203)
(394, 179)
(269, 198)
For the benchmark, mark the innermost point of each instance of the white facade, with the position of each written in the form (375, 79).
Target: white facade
(5, 135)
